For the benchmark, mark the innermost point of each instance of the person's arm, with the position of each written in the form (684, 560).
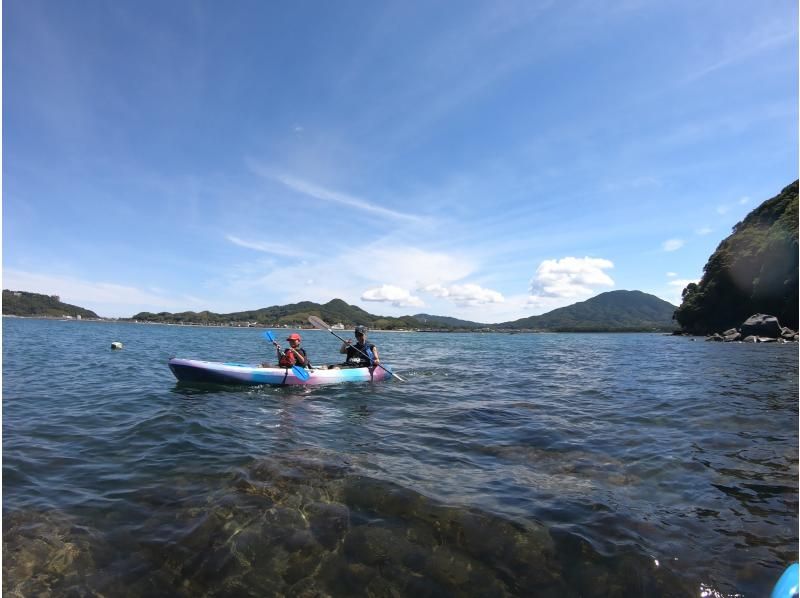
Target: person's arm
(345, 345)
(299, 357)
(376, 358)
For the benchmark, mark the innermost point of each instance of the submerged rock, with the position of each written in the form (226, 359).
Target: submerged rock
(329, 522)
(43, 551)
(300, 525)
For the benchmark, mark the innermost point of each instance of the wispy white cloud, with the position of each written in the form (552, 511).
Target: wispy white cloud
(730, 124)
(104, 298)
(400, 276)
(682, 282)
(703, 230)
(723, 209)
(324, 194)
(391, 294)
(465, 294)
(569, 277)
(265, 247)
(470, 53)
(672, 244)
(775, 35)
(672, 274)
(321, 193)
(435, 273)
(408, 267)
(344, 274)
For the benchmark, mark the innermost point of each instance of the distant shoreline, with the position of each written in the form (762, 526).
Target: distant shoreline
(344, 331)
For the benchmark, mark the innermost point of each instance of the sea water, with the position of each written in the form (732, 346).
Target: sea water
(505, 465)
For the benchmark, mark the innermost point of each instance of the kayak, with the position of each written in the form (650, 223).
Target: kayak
(788, 586)
(193, 370)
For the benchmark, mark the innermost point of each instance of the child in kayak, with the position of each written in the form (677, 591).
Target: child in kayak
(294, 355)
(362, 354)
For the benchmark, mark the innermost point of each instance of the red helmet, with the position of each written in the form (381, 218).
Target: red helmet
(294, 337)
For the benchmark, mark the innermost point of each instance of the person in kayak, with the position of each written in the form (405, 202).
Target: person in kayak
(362, 354)
(295, 354)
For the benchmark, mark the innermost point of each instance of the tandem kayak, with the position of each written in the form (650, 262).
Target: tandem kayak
(193, 370)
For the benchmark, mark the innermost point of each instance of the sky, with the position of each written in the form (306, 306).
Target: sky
(486, 160)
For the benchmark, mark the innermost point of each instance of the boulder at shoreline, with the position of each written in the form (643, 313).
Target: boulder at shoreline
(761, 325)
(758, 328)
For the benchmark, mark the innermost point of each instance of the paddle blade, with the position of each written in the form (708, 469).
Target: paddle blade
(269, 337)
(397, 376)
(301, 372)
(318, 323)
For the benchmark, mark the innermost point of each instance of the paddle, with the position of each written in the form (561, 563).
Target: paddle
(320, 323)
(299, 371)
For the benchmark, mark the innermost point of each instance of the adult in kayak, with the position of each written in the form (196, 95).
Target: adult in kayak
(295, 354)
(362, 353)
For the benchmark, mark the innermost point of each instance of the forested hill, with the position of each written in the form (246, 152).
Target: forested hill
(447, 321)
(612, 311)
(22, 303)
(754, 270)
(293, 314)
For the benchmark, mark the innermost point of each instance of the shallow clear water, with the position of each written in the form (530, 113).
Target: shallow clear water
(585, 464)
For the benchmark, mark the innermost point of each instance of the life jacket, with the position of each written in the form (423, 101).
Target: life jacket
(355, 357)
(288, 359)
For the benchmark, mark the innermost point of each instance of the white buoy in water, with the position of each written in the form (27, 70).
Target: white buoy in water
(116, 345)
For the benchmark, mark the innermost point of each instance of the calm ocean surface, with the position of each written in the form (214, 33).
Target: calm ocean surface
(584, 465)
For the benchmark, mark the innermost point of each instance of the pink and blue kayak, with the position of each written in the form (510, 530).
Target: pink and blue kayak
(193, 370)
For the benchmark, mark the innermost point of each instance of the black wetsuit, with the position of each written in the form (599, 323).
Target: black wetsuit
(355, 357)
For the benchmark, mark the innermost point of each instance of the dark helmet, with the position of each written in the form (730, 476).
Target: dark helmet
(361, 329)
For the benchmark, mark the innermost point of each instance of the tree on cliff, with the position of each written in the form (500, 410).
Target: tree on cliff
(754, 270)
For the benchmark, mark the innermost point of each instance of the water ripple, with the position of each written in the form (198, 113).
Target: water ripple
(596, 465)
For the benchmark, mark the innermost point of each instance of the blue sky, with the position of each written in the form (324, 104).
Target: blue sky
(483, 160)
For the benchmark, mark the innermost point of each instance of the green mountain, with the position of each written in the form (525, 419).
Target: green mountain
(613, 311)
(428, 320)
(618, 311)
(754, 270)
(294, 314)
(22, 303)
